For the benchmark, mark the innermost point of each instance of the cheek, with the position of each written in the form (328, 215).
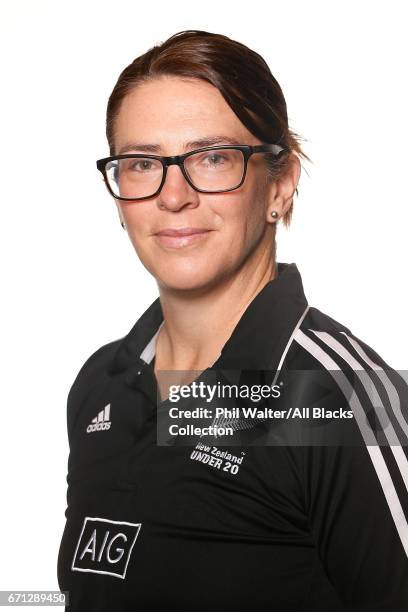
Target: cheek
(138, 223)
(244, 222)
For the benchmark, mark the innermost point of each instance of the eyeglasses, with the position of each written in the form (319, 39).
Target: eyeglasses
(136, 176)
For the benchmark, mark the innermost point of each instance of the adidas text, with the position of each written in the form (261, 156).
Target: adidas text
(101, 421)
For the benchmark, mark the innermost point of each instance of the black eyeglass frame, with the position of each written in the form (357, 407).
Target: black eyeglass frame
(178, 160)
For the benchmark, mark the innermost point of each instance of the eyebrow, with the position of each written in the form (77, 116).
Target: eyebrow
(207, 141)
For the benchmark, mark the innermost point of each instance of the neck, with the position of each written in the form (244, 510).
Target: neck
(197, 326)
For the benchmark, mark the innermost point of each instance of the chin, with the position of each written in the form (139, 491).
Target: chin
(185, 278)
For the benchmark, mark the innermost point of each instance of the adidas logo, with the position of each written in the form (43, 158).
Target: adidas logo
(101, 421)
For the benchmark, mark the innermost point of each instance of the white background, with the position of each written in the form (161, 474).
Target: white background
(71, 280)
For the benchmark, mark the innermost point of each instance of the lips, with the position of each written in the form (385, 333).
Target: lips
(184, 231)
(181, 238)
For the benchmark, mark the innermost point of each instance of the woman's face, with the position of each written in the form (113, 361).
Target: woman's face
(171, 112)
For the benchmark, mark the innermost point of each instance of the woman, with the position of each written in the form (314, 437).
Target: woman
(202, 167)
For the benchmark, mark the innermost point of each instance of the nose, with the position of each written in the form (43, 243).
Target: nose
(176, 191)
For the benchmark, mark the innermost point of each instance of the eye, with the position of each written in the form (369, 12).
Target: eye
(214, 159)
(142, 165)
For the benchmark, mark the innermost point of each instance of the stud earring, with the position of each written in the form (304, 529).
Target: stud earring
(274, 214)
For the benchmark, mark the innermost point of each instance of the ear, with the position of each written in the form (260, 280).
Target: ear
(280, 192)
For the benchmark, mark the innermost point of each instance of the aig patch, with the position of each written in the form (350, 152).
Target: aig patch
(105, 546)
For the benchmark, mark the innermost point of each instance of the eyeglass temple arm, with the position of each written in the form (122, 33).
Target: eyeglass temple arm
(271, 148)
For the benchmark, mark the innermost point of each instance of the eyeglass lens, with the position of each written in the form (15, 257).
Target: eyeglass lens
(212, 170)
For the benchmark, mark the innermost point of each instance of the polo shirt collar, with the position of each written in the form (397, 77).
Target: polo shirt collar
(258, 341)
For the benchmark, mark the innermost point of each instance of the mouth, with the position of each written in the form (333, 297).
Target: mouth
(179, 238)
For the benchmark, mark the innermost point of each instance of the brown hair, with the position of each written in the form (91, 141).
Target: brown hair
(240, 74)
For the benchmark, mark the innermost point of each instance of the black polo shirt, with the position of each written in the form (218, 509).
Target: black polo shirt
(285, 527)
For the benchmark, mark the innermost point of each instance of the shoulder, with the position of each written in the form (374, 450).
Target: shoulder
(330, 361)
(91, 373)
(95, 364)
(330, 344)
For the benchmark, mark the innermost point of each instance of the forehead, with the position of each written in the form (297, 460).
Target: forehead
(171, 110)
